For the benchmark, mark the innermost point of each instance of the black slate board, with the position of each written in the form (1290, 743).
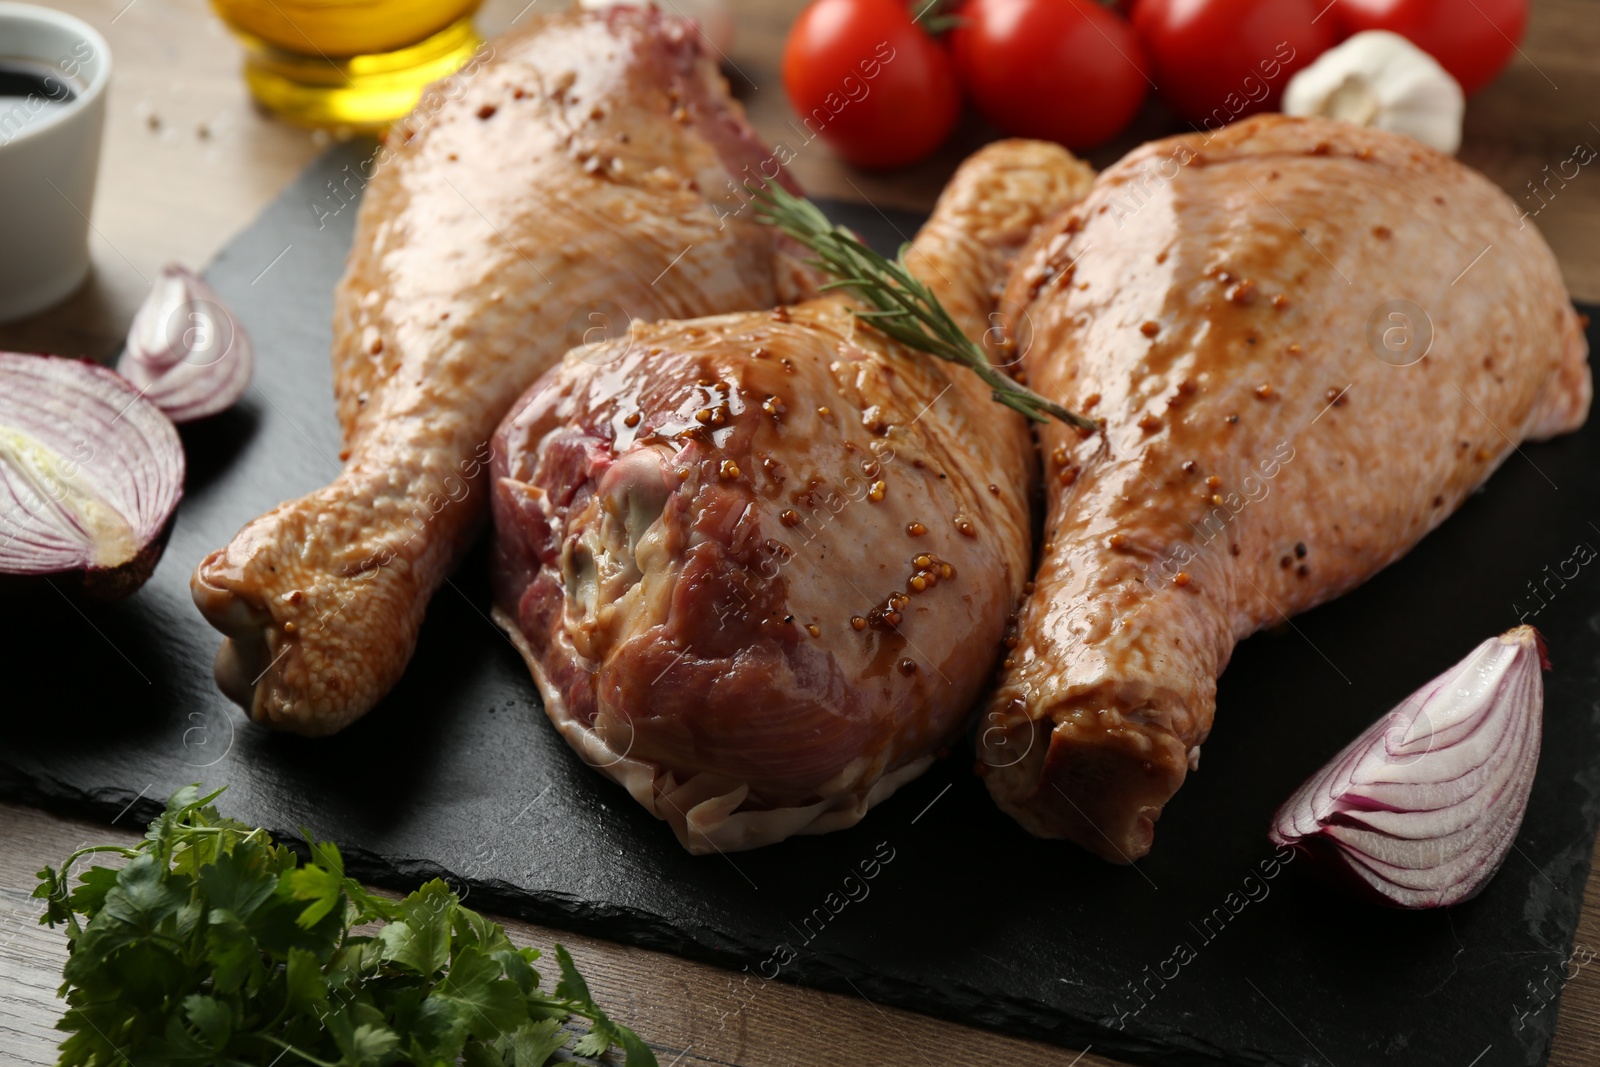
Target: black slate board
(108, 709)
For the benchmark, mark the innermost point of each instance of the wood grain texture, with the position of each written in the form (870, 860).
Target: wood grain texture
(188, 161)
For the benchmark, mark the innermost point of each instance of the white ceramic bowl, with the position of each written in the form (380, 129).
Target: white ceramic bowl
(49, 153)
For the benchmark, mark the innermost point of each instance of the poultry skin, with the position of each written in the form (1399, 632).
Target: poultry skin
(580, 177)
(759, 564)
(1309, 343)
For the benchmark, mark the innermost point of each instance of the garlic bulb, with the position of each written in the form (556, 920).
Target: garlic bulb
(714, 17)
(1378, 78)
(186, 352)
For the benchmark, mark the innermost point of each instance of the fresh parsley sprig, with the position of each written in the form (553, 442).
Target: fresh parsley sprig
(902, 306)
(214, 945)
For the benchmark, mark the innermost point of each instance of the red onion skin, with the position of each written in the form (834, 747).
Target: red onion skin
(98, 584)
(1329, 861)
(105, 584)
(1338, 862)
(118, 583)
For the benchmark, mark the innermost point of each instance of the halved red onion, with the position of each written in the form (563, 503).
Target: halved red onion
(1422, 808)
(185, 350)
(90, 474)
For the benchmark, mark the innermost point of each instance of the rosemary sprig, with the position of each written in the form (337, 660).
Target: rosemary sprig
(901, 306)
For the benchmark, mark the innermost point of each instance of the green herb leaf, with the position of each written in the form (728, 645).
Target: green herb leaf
(473, 929)
(599, 1038)
(420, 939)
(215, 946)
(636, 1052)
(533, 1043)
(90, 895)
(603, 1033)
(572, 986)
(477, 1054)
(517, 963)
(324, 889)
(369, 1043)
(234, 956)
(211, 1017)
(239, 881)
(145, 895)
(493, 1003)
(304, 983)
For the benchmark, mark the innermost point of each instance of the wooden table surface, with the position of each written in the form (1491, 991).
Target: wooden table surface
(188, 162)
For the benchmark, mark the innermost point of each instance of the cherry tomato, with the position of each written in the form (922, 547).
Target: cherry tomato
(870, 82)
(1218, 60)
(1473, 41)
(1064, 70)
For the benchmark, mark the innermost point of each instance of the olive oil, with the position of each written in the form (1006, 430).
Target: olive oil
(353, 63)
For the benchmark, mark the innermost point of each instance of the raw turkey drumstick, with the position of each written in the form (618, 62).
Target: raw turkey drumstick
(760, 566)
(1309, 343)
(581, 177)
